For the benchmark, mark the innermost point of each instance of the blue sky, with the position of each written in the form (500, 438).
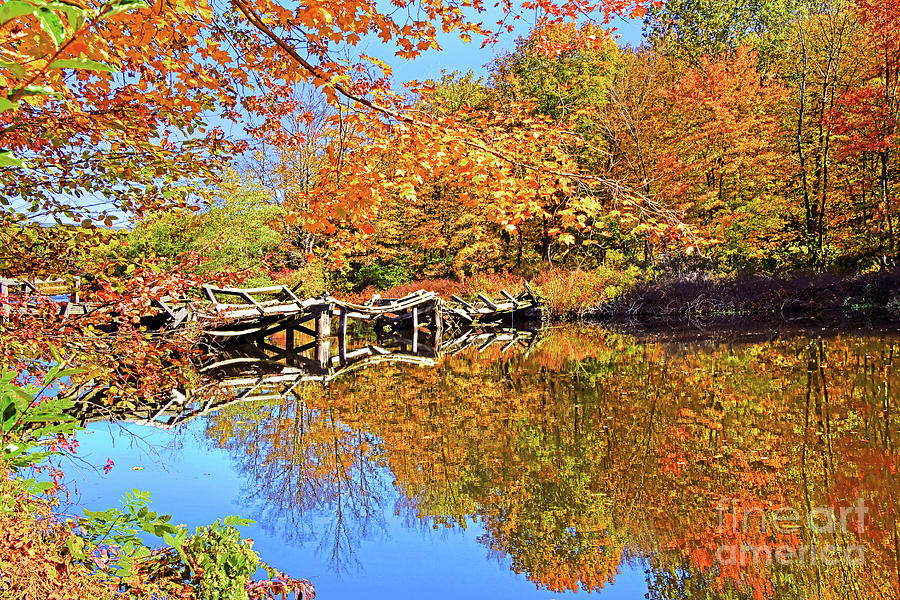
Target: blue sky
(456, 55)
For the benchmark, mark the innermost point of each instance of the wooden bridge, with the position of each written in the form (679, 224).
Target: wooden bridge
(241, 315)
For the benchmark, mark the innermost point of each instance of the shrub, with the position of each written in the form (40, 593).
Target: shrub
(34, 562)
(573, 293)
(380, 275)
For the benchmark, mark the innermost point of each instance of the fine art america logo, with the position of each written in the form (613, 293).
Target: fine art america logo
(827, 522)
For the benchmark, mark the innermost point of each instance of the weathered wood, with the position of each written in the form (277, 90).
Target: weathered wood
(323, 336)
(415, 329)
(342, 337)
(488, 302)
(253, 316)
(509, 296)
(459, 300)
(438, 327)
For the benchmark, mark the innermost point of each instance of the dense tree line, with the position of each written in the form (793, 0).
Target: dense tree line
(761, 135)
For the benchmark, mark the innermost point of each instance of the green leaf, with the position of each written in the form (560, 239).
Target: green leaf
(8, 160)
(47, 418)
(9, 412)
(52, 24)
(17, 69)
(22, 394)
(80, 63)
(15, 8)
(75, 14)
(123, 6)
(31, 90)
(54, 375)
(6, 105)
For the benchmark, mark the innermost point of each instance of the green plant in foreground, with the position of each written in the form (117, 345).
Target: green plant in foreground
(222, 564)
(28, 420)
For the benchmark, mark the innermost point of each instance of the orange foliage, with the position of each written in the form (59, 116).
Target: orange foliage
(34, 562)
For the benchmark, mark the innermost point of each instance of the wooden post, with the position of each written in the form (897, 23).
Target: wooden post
(289, 340)
(415, 325)
(342, 337)
(323, 337)
(438, 326)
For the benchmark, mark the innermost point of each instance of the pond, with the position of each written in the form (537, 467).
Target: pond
(584, 459)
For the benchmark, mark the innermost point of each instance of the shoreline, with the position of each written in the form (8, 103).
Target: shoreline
(808, 300)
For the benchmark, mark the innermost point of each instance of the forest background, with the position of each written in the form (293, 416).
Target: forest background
(739, 137)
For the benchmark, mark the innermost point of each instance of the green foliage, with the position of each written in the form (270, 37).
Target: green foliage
(26, 419)
(693, 29)
(575, 78)
(237, 234)
(120, 529)
(380, 275)
(221, 562)
(456, 90)
(312, 279)
(215, 561)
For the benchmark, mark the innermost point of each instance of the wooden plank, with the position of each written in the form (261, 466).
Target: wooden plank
(180, 316)
(323, 346)
(415, 324)
(460, 313)
(242, 291)
(437, 326)
(360, 316)
(508, 296)
(509, 345)
(459, 300)
(289, 339)
(490, 304)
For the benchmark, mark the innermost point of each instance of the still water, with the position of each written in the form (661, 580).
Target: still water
(737, 467)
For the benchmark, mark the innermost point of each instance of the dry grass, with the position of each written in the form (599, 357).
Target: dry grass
(572, 293)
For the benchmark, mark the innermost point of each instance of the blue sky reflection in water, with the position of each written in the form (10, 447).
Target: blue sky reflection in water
(197, 483)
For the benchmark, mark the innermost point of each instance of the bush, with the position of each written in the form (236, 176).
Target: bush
(380, 275)
(312, 279)
(34, 560)
(574, 293)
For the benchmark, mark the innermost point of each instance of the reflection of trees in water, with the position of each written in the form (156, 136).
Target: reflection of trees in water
(595, 446)
(311, 477)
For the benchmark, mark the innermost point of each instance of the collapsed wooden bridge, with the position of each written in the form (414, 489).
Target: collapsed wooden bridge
(240, 315)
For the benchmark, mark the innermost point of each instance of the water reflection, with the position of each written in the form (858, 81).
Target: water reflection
(582, 450)
(594, 449)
